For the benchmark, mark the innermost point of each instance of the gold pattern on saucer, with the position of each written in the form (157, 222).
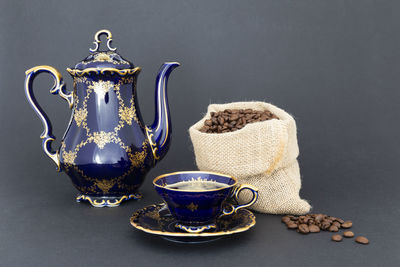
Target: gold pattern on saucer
(192, 206)
(155, 215)
(195, 229)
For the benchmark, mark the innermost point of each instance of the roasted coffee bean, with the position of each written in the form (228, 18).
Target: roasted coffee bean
(339, 220)
(313, 228)
(362, 240)
(292, 226)
(337, 238)
(285, 219)
(319, 217)
(301, 219)
(325, 225)
(348, 234)
(333, 228)
(347, 224)
(337, 224)
(234, 117)
(290, 222)
(303, 228)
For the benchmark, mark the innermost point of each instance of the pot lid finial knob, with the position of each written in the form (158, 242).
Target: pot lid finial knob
(97, 40)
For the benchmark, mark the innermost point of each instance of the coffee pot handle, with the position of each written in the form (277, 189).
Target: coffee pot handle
(58, 88)
(235, 194)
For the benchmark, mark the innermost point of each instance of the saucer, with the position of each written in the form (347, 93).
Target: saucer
(156, 219)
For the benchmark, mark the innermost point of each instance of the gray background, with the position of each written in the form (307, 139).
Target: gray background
(334, 65)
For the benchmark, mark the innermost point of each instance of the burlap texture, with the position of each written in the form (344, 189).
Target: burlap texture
(263, 154)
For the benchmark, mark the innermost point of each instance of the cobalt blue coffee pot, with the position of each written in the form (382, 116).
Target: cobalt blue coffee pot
(107, 149)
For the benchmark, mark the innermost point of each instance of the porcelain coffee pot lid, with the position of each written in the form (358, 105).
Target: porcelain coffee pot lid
(108, 59)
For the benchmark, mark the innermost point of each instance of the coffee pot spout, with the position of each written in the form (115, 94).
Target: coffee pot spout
(159, 133)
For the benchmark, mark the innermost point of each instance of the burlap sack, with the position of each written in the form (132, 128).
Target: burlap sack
(263, 154)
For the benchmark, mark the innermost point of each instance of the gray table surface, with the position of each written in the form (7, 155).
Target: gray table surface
(334, 65)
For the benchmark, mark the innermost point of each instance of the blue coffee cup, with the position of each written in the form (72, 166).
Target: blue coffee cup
(197, 198)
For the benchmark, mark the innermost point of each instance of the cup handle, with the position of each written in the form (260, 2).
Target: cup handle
(235, 194)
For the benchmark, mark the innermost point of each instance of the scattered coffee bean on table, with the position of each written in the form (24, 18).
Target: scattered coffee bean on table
(337, 238)
(333, 228)
(231, 120)
(347, 224)
(348, 234)
(314, 223)
(362, 240)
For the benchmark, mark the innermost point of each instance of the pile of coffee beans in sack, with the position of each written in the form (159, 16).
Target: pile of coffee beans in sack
(231, 120)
